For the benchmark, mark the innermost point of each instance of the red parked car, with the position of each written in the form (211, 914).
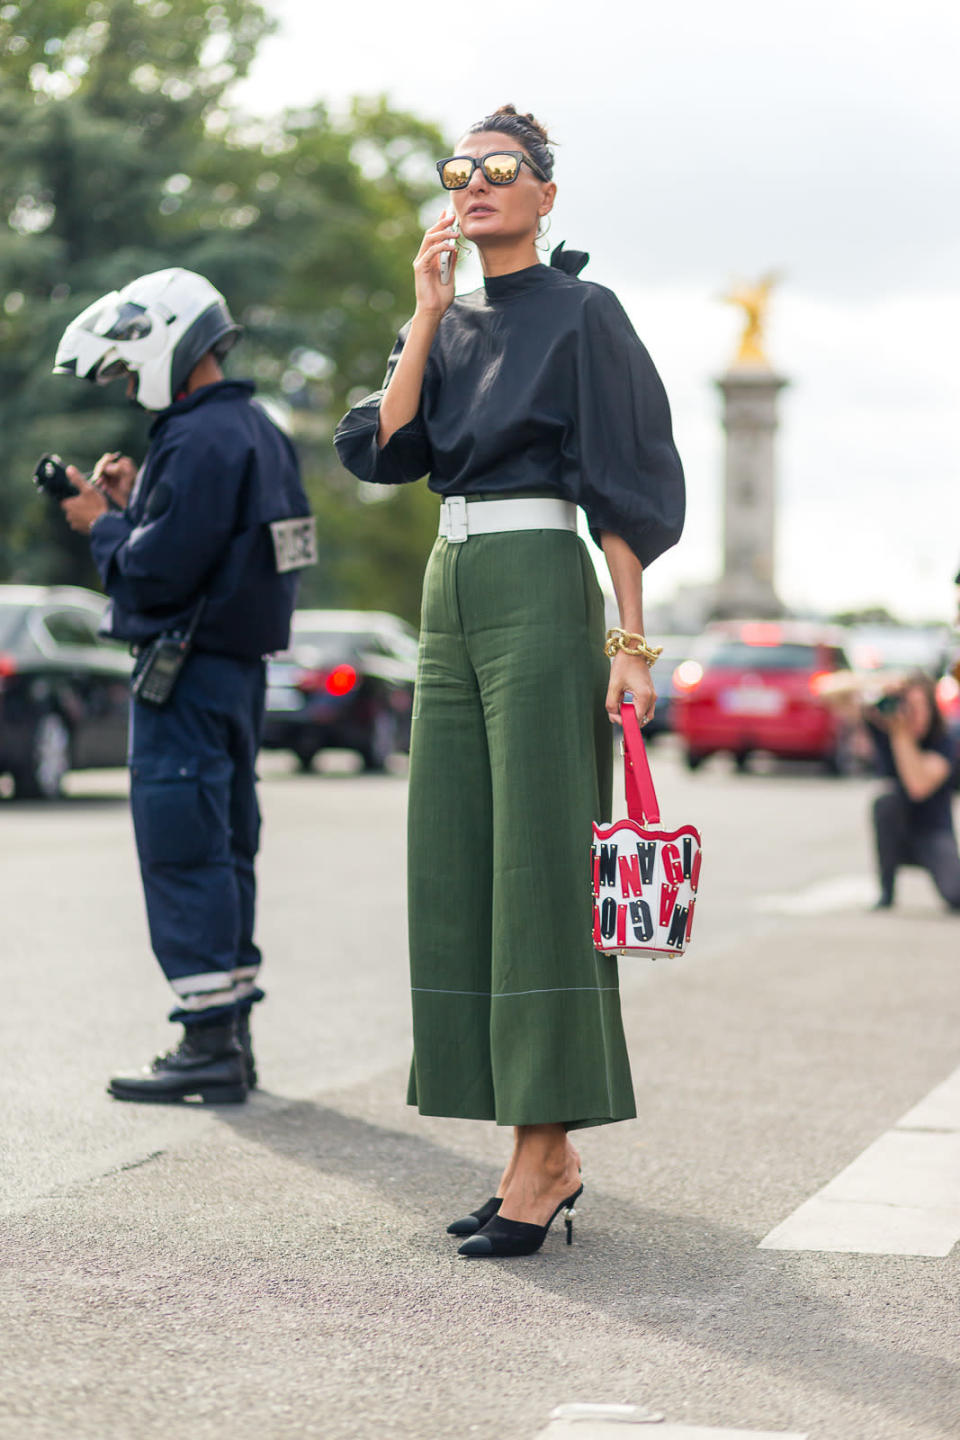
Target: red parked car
(756, 689)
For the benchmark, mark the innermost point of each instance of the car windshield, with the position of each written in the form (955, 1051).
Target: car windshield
(328, 646)
(901, 649)
(10, 618)
(738, 655)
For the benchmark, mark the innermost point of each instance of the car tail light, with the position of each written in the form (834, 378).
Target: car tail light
(8, 667)
(338, 681)
(819, 682)
(341, 680)
(948, 691)
(687, 675)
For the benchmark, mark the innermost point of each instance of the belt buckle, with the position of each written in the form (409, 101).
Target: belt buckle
(454, 518)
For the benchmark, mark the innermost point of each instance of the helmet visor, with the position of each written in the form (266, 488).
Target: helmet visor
(110, 370)
(131, 322)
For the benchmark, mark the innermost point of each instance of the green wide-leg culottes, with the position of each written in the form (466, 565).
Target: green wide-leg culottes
(516, 1017)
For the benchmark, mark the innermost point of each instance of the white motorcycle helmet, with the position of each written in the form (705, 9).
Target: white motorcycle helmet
(156, 329)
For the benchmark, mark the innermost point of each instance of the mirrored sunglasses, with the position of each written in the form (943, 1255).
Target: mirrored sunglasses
(500, 167)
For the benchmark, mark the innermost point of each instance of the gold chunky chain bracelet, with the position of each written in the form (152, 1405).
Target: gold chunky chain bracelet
(631, 645)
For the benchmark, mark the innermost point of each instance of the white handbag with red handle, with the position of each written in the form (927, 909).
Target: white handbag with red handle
(644, 878)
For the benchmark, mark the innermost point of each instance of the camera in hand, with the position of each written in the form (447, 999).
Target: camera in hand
(50, 476)
(888, 704)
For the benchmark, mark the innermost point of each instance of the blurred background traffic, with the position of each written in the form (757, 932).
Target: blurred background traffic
(226, 137)
(751, 691)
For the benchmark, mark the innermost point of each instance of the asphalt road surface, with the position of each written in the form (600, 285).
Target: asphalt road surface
(281, 1269)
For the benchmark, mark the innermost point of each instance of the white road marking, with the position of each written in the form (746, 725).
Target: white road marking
(699, 1432)
(581, 1412)
(900, 1197)
(843, 892)
(608, 1422)
(940, 1110)
(616, 1427)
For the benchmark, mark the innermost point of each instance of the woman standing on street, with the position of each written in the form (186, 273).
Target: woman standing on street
(522, 400)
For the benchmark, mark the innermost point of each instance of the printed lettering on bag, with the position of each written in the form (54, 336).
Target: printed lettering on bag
(693, 906)
(668, 899)
(678, 926)
(630, 875)
(644, 889)
(608, 864)
(641, 920)
(647, 854)
(294, 543)
(672, 868)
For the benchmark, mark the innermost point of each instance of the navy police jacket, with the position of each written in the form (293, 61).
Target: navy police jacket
(217, 473)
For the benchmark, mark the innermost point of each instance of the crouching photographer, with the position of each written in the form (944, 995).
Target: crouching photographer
(199, 553)
(913, 818)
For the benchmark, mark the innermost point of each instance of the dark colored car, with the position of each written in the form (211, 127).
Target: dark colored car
(346, 682)
(63, 690)
(755, 687)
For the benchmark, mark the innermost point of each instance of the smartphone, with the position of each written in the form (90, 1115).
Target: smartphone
(446, 259)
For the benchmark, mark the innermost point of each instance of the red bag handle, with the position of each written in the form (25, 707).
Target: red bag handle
(642, 803)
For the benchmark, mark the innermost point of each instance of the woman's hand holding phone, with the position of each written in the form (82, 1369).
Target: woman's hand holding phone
(402, 398)
(447, 257)
(435, 266)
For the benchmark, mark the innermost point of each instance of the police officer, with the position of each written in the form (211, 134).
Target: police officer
(202, 545)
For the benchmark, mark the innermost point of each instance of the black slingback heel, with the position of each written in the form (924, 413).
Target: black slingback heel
(476, 1220)
(516, 1237)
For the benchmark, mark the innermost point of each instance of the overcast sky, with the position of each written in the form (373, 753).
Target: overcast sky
(700, 142)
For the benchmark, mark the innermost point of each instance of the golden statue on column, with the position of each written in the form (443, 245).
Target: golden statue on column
(754, 301)
(750, 387)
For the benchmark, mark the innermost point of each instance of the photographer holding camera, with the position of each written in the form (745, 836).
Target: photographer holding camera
(199, 553)
(913, 819)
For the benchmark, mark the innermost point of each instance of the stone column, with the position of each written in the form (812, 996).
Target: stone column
(746, 587)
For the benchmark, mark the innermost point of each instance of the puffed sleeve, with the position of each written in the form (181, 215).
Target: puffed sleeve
(630, 475)
(406, 455)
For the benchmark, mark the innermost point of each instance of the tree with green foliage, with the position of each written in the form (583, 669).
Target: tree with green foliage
(122, 155)
(869, 615)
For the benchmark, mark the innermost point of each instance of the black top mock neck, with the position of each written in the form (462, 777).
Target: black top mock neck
(536, 382)
(517, 282)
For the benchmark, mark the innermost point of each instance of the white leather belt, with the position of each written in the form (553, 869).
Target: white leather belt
(460, 518)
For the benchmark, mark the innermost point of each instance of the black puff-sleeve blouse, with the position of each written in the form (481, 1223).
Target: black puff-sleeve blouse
(536, 382)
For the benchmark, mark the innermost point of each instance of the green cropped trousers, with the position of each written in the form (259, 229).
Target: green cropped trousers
(516, 1017)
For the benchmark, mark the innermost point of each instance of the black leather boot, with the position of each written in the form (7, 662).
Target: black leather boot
(209, 1063)
(246, 1045)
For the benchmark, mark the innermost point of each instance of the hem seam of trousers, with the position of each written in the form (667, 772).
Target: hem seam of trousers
(517, 994)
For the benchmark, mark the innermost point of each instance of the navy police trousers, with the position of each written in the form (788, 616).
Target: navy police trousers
(197, 827)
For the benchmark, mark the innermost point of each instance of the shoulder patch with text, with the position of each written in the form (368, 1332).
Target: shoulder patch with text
(294, 543)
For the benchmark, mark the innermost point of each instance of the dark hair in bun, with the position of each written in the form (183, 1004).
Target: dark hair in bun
(525, 128)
